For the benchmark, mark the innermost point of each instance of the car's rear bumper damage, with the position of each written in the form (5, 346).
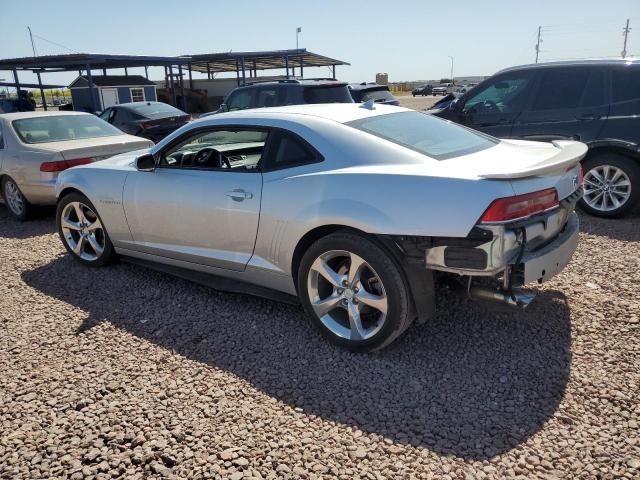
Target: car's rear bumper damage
(513, 253)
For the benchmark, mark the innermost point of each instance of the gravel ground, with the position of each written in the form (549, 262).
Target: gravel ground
(125, 372)
(417, 103)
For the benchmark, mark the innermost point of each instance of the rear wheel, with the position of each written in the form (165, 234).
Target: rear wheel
(82, 232)
(354, 291)
(611, 185)
(17, 205)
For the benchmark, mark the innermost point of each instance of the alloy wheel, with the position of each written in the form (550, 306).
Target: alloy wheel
(14, 198)
(347, 295)
(83, 231)
(606, 188)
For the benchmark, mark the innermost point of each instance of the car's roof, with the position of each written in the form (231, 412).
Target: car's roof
(20, 115)
(303, 82)
(133, 104)
(576, 63)
(338, 112)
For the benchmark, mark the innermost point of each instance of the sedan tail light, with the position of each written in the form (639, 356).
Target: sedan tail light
(520, 206)
(60, 165)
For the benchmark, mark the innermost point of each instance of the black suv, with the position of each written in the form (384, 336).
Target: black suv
(362, 92)
(276, 93)
(422, 90)
(594, 101)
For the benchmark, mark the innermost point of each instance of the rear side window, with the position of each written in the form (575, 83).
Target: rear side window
(327, 94)
(561, 89)
(266, 97)
(377, 95)
(287, 150)
(625, 84)
(240, 100)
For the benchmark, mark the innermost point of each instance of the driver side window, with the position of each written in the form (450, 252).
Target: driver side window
(217, 149)
(502, 95)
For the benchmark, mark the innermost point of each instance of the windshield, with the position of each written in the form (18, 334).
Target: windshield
(60, 128)
(434, 137)
(327, 94)
(154, 109)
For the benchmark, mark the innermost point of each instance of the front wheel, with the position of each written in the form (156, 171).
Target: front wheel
(356, 294)
(82, 232)
(16, 203)
(611, 185)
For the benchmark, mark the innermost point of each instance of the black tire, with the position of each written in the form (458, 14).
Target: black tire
(631, 169)
(26, 211)
(108, 254)
(399, 302)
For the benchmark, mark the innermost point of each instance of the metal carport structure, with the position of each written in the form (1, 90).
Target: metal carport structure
(212, 63)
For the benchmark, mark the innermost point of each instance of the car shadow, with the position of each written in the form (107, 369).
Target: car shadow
(475, 382)
(43, 222)
(626, 228)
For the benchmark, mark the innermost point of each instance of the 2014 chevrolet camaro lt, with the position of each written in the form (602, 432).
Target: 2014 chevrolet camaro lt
(350, 208)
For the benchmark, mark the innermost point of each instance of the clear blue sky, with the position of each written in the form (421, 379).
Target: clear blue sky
(409, 39)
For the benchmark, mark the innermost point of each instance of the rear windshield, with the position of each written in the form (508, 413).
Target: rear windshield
(154, 110)
(432, 136)
(377, 95)
(327, 94)
(60, 128)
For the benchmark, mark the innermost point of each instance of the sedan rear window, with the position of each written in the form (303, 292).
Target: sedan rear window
(377, 94)
(154, 109)
(61, 128)
(432, 136)
(327, 94)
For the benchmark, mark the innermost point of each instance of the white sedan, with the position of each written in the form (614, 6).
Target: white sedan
(36, 146)
(348, 208)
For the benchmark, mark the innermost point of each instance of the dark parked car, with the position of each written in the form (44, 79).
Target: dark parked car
(361, 92)
(276, 93)
(152, 120)
(422, 90)
(594, 101)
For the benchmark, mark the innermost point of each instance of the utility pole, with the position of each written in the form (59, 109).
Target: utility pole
(298, 30)
(625, 32)
(538, 43)
(33, 45)
(451, 74)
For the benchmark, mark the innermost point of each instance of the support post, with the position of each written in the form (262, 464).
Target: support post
(244, 75)
(91, 89)
(173, 87)
(237, 74)
(255, 70)
(183, 101)
(44, 100)
(146, 72)
(190, 78)
(333, 69)
(104, 72)
(126, 72)
(301, 67)
(16, 80)
(208, 71)
(286, 65)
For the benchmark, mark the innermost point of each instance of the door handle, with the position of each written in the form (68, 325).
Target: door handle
(239, 195)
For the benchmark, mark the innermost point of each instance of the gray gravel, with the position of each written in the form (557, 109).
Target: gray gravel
(125, 372)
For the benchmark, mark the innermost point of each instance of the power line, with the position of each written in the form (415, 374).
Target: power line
(56, 44)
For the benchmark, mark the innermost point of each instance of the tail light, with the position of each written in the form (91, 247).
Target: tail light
(61, 165)
(520, 206)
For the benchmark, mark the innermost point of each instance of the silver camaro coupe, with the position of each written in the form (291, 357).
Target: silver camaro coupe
(350, 209)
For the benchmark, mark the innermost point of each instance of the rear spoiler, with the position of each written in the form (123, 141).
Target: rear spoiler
(569, 153)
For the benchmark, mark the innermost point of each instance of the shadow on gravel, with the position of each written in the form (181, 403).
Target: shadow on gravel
(626, 229)
(473, 383)
(42, 224)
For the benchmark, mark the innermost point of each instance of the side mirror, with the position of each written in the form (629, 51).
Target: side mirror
(223, 108)
(146, 163)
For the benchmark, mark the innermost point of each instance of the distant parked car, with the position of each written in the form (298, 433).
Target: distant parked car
(276, 93)
(464, 88)
(36, 146)
(152, 120)
(594, 101)
(349, 208)
(362, 92)
(442, 89)
(422, 90)
(11, 105)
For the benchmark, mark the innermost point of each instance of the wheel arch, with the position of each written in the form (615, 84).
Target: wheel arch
(67, 190)
(619, 148)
